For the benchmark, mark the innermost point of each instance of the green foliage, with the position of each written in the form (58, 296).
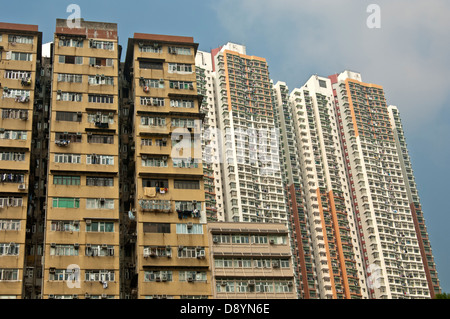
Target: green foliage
(442, 296)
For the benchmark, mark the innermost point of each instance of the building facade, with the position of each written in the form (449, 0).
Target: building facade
(81, 253)
(210, 138)
(388, 238)
(251, 174)
(414, 204)
(20, 52)
(169, 200)
(251, 261)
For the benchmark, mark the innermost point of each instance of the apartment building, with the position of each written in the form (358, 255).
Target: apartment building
(20, 55)
(210, 138)
(378, 187)
(334, 261)
(414, 203)
(251, 174)
(298, 225)
(172, 253)
(82, 219)
(251, 260)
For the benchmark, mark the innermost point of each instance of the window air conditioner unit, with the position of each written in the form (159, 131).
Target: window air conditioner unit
(21, 186)
(88, 221)
(51, 296)
(74, 296)
(164, 158)
(53, 245)
(76, 245)
(189, 225)
(87, 296)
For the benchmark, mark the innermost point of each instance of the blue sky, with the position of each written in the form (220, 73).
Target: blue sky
(409, 56)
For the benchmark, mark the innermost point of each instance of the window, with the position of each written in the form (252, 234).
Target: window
(63, 250)
(155, 251)
(146, 142)
(64, 225)
(182, 184)
(259, 239)
(180, 50)
(150, 65)
(67, 158)
(153, 48)
(164, 183)
(153, 121)
(66, 180)
(71, 78)
(100, 226)
(11, 202)
(153, 83)
(95, 98)
(158, 275)
(9, 224)
(185, 163)
(192, 275)
(154, 162)
(63, 202)
(99, 275)
(99, 250)
(100, 80)
(100, 159)
(9, 249)
(15, 93)
(222, 239)
(104, 45)
(99, 203)
(180, 68)
(240, 239)
(68, 116)
(187, 123)
(68, 137)
(9, 274)
(17, 74)
(101, 139)
(70, 59)
(189, 229)
(77, 43)
(182, 85)
(13, 135)
(99, 181)
(69, 96)
(322, 84)
(191, 252)
(100, 117)
(189, 104)
(20, 39)
(156, 228)
(12, 156)
(60, 275)
(101, 62)
(21, 56)
(12, 178)
(15, 114)
(152, 101)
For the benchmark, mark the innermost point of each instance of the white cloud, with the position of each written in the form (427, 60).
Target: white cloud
(409, 55)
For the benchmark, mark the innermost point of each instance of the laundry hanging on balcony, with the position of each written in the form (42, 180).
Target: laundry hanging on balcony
(150, 191)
